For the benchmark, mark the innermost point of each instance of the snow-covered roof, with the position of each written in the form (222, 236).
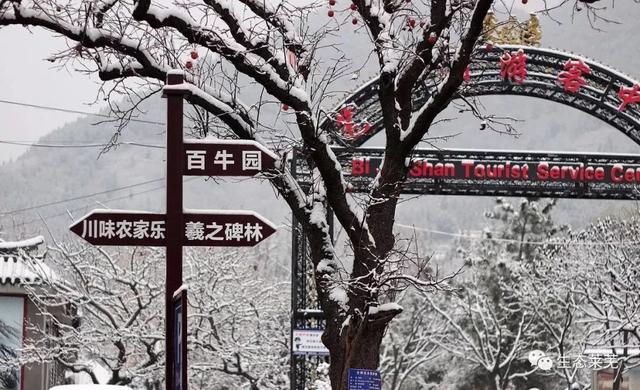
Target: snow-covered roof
(14, 270)
(16, 267)
(27, 244)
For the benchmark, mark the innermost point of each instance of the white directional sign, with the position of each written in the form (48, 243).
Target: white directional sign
(226, 158)
(308, 342)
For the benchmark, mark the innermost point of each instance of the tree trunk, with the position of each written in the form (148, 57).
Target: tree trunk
(357, 347)
(353, 335)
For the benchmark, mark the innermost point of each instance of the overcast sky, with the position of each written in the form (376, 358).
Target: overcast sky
(25, 76)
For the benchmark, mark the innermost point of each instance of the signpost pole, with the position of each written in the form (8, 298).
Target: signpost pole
(241, 228)
(174, 215)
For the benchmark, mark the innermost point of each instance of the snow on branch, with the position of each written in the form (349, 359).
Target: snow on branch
(421, 120)
(245, 61)
(240, 33)
(88, 37)
(275, 15)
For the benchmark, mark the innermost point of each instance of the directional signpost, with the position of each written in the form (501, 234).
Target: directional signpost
(177, 228)
(226, 158)
(217, 228)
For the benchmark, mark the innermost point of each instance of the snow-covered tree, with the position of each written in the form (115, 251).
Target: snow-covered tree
(238, 325)
(490, 322)
(291, 50)
(596, 279)
(408, 346)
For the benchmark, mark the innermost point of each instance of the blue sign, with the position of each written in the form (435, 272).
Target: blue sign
(363, 379)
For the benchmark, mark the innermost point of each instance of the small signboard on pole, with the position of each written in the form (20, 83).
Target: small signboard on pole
(308, 342)
(363, 379)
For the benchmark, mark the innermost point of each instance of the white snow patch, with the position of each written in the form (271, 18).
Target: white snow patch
(184, 287)
(339, 295)
(21, 244)
(392, 306)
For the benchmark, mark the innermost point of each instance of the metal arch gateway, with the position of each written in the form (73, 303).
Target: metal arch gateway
(598, 98)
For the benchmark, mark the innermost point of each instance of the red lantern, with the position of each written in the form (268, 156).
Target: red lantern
(332, 2)
(194, 54)
(354, 21)
(188, 65)
(525, 1)
(330, 13)
(411, 22)
(354, 7)
(285, 107)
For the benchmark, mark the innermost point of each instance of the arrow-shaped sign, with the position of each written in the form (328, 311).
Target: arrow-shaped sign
(226, 158)
(201, 228)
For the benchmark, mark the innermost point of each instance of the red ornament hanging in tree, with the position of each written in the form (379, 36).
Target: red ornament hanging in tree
(411, 22)
(571, 78)
(628, 95)
(354, 7)
(292, 60)
(332, 2)
(467, 74)
(188, 64)
(194, 54)
(285, 107)
(513, 66)
(354, 21)
(330, 13)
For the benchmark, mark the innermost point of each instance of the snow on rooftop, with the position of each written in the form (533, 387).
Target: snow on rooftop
(17, 270)
(31, 242)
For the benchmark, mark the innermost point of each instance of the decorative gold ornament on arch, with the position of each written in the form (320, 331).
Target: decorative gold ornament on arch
(512, 31)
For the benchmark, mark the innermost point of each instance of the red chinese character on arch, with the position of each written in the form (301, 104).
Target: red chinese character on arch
(345, 120)
(571, 78)
(513, 66)
(628, 95)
